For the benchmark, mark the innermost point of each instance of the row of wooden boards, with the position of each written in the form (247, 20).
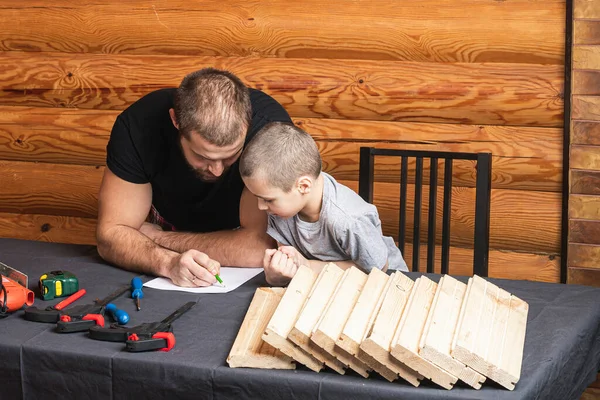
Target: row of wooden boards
(389, 324)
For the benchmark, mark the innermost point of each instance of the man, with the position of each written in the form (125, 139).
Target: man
(172, 158)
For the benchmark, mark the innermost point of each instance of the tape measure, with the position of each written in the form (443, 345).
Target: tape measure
(58, 284)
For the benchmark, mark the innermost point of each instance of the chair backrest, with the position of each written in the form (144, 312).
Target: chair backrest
(482, 201)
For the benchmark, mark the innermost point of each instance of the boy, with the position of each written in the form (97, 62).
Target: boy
(313, 218)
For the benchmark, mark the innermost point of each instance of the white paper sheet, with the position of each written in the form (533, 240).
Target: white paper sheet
(232, 278)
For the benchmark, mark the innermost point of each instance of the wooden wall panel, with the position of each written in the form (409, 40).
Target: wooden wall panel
(586, 107)
(48, 228)
(585, 157)
(584, 256)
(427, 30)
(585, 182)
(376, 90)
(586, 57)
(585, 132)
(586, 9)
(524, 158)
(586, 82)
(585, 232)
(586, 32)
(584, 207)
(519, 220)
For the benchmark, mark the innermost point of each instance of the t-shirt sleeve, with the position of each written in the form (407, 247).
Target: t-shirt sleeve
(122, 156)
(276, 230)
(363, 243)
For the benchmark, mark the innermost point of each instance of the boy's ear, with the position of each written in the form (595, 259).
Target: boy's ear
(304, 184)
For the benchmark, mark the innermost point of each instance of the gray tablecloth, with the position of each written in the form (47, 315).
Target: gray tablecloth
(561, 355)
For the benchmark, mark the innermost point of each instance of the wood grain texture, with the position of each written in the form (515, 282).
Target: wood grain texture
(519, 220)
(584, 207)
(582, 231)
(586, 9)
(528, 32)
(489, 94)
(583, 276)
(586, 57)
(526, 158)
(48, 228)
(586, 107)
(502, 264)
(585, 157)
(586, 82)
(523, 158)
(54, 189)
(585, 182)
(586, 32)
(66, 136)
(584, 256)
(583, 132)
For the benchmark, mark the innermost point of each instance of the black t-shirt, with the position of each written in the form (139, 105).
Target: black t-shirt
(144, 147)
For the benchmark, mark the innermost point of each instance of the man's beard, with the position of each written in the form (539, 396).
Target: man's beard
(206, 176)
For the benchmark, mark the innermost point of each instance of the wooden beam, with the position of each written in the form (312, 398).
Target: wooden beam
(491, 332)
(428, 31)
(436, 341)
(48, 228)
(249, 350)
(586, 82)
(332, 321)
(378, 342)
(411, 91)
(582, 231)
(584, 207)
(285, 316)
(586, 32)
(318, 298)
(586, 57)
(405, 345)
(586, 9)
(584, 256)
(583, 276)
(585, 132)
(586, 108)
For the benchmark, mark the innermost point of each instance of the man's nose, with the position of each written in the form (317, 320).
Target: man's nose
(216, 168)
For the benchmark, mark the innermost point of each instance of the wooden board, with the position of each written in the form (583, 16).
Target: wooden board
(48, 228)
(586, 57)
(517, 94)
(405, 345)
(334, 317)
(529, 32)
(318, 298)
(586, 32)
(585, 108)
(436, 341)
(378, 342)
(585, 182)
(285, 315)
(249, 350)
(583, 276)
(491, 332)
(584, 255)
(585, 132)
(581, 231)
(363, 314)
(527, 158)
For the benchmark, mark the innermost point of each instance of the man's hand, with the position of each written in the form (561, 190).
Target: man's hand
(279, 268)
(193, 268)
(151, 230)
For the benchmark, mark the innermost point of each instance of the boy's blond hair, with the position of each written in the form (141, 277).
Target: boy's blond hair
(281, 153)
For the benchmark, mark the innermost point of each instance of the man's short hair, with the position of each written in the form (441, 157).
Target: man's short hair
(281, 153)
(214, 104)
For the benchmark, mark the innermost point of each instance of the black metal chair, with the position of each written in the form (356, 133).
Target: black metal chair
(482, 202)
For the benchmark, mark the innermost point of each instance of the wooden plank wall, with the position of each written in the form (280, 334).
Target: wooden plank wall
(584, 198)
(463, 75)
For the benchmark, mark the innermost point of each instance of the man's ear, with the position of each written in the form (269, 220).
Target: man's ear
(304, 184)
(173, 119)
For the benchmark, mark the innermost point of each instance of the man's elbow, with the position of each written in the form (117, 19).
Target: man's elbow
(104, 242)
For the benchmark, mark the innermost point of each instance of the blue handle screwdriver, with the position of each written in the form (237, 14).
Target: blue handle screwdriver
(118, 315)
(136, 291)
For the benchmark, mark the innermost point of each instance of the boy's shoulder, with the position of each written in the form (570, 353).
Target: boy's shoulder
(344, 202)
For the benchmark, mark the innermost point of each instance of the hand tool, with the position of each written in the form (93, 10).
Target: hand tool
(136, 291)
(51, 314)
(14, 274)
(120, 316)
(81, 318)
(143, 337)
(13, 296)
(57, 283)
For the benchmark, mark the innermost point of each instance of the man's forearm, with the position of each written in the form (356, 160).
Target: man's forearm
(239, 248)
(129, 249)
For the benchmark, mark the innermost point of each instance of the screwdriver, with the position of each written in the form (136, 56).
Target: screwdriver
(118, 315)
(136, 291)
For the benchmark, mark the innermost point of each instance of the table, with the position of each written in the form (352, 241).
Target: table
(561, 354)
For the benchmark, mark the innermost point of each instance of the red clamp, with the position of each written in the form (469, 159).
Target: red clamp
(168, 336)
(94, 317)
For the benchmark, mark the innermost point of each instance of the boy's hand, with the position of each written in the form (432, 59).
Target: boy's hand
(279, 268)
(295, 255)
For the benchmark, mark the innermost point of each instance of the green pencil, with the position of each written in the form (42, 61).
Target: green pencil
(219, 279)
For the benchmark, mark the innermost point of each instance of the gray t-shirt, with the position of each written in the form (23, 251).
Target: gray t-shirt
(348, 229)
